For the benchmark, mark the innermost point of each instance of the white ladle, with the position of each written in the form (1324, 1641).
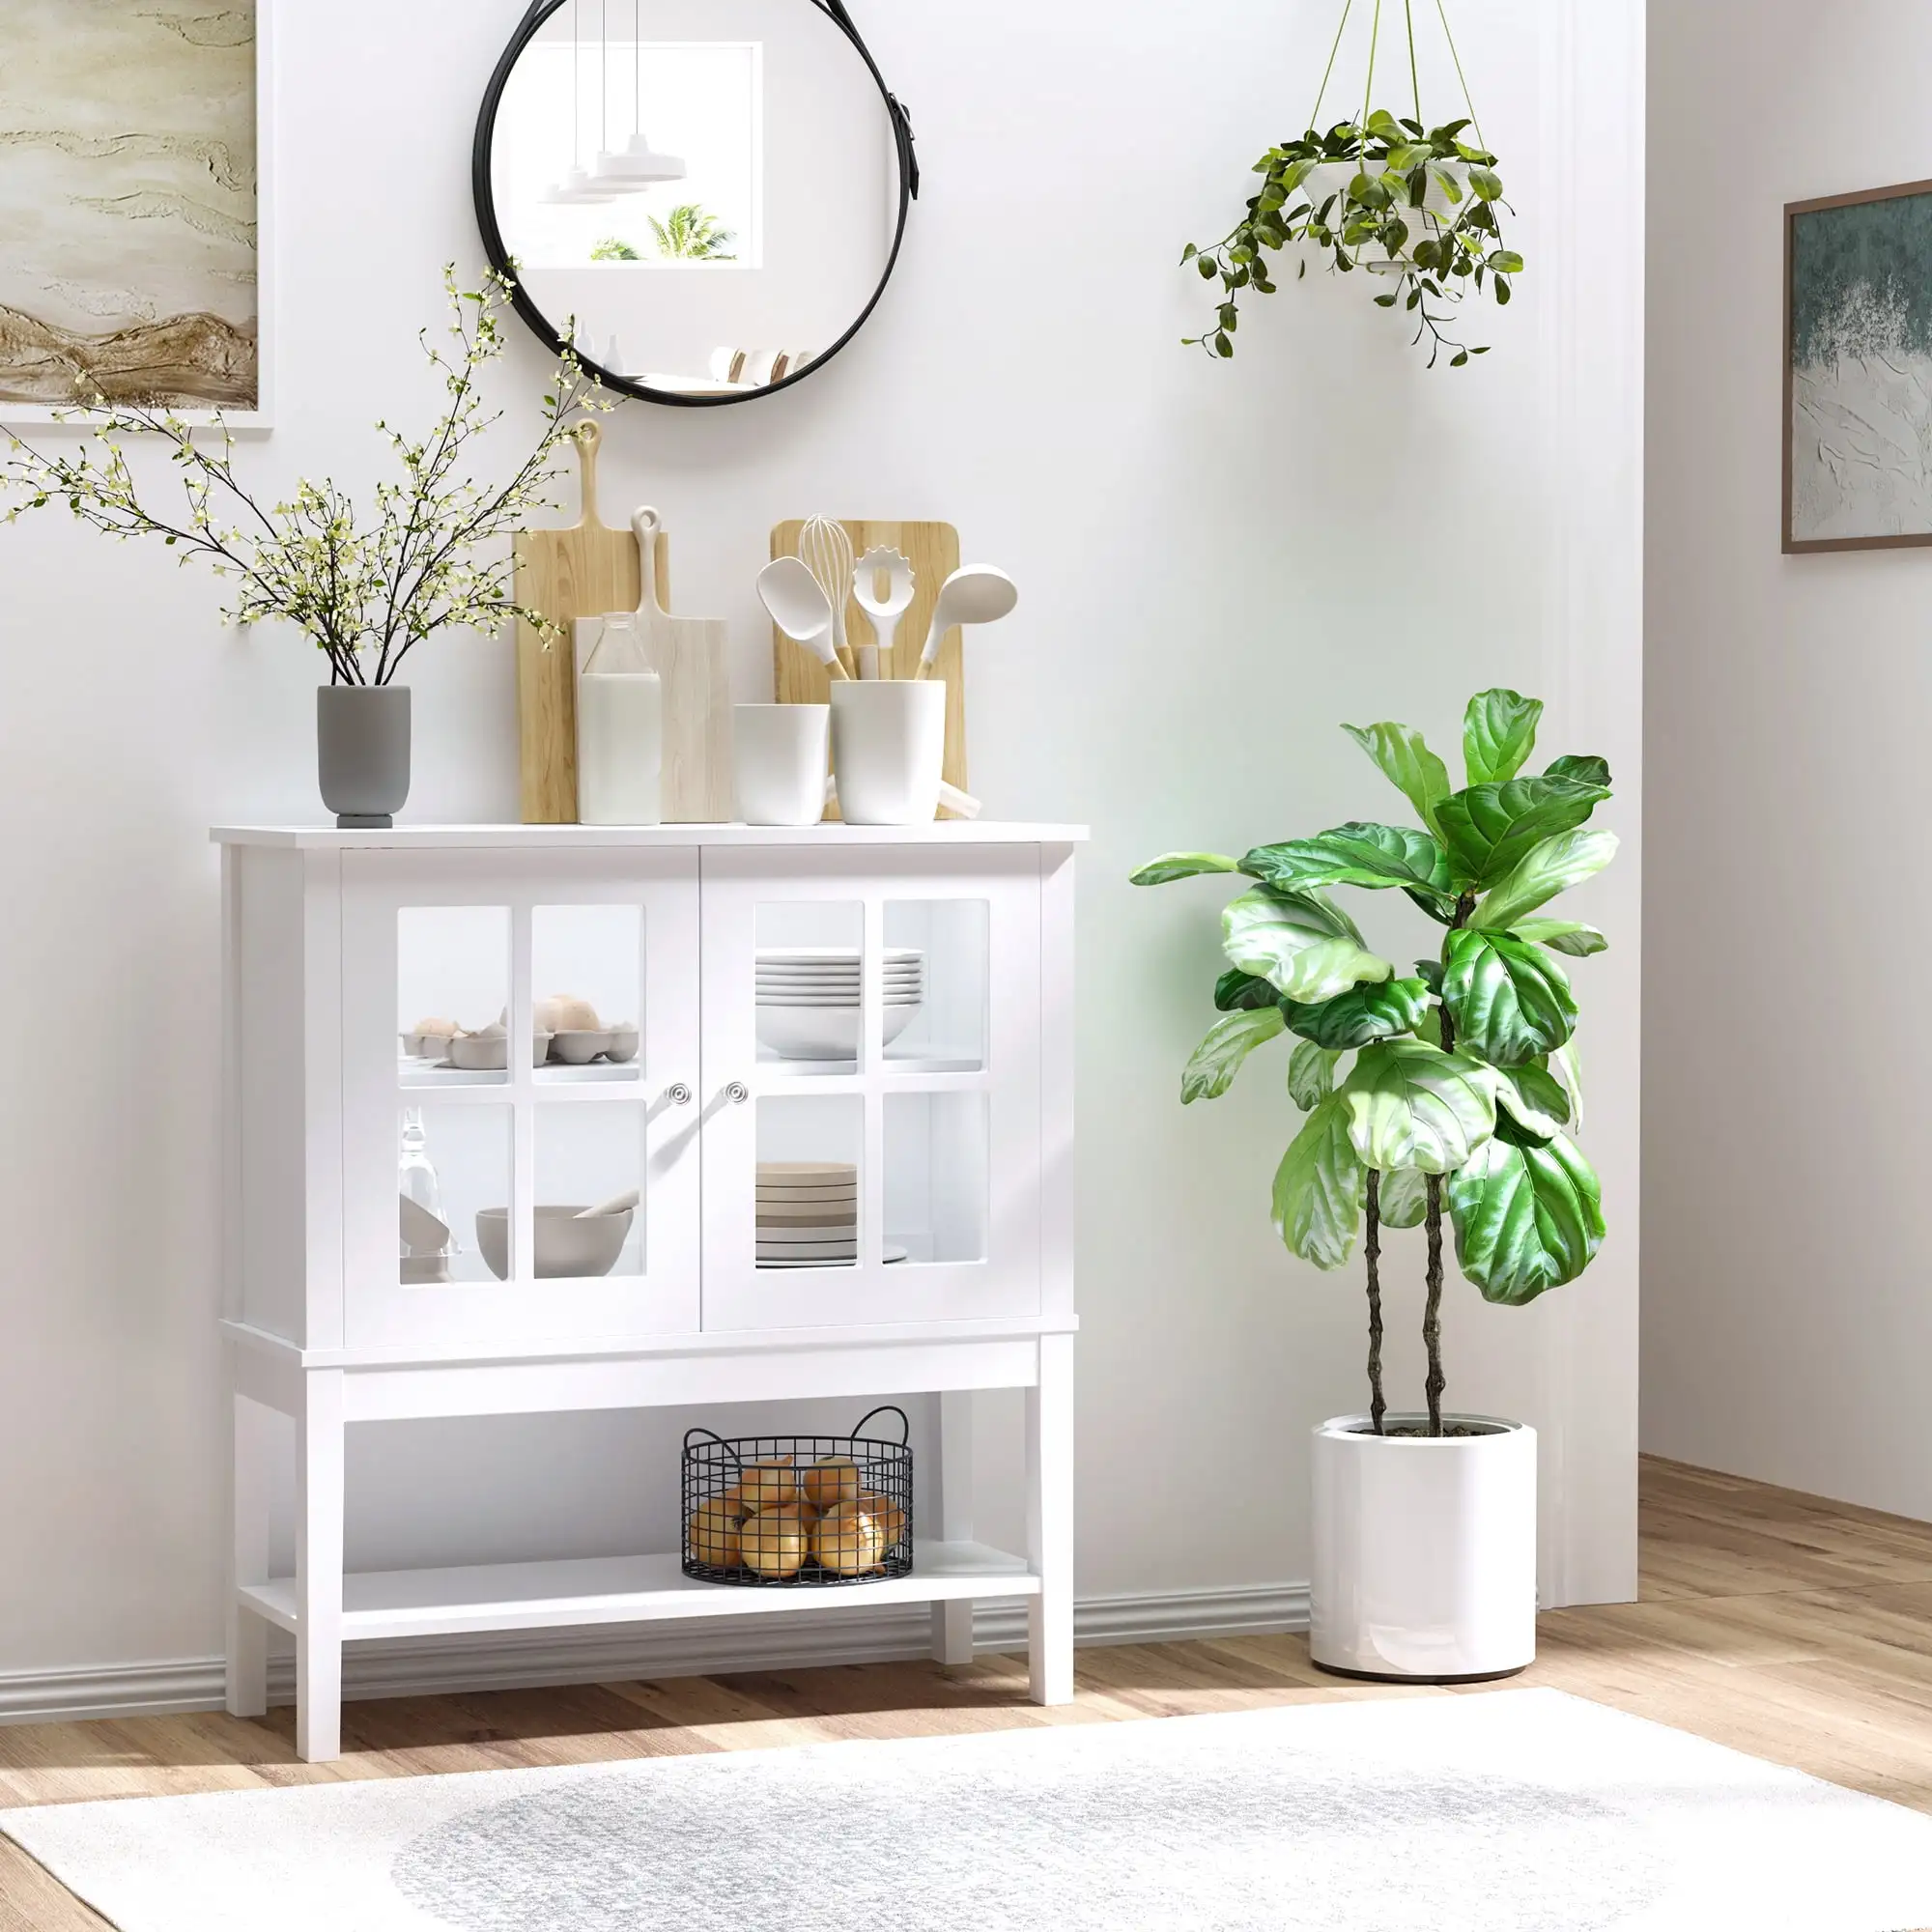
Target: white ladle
(977, 594)
(801, 610)
(884, 613)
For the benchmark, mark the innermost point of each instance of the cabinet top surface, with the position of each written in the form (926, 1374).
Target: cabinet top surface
(515, 837)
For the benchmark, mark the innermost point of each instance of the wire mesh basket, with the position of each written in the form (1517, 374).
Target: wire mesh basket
(791, 1512)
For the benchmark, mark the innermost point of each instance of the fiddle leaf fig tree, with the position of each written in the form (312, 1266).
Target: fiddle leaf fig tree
(1455, 1087)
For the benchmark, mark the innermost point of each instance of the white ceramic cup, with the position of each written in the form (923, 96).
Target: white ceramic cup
(778, 762)
(888, 749)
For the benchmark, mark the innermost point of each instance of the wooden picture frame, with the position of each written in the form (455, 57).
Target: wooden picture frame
(1795, 213)
(243, 420)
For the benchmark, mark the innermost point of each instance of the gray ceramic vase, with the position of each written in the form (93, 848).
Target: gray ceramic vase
(362, 751)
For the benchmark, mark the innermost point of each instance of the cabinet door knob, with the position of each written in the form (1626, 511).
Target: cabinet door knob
(737, 1092)
(678, 1093)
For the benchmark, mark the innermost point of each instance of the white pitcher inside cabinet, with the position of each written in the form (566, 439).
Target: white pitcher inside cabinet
(533, 1118)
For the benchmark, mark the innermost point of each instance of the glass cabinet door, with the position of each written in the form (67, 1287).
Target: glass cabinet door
(871, 1086)
(520, 1114)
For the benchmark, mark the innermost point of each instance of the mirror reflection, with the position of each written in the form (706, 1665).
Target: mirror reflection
(707, 192)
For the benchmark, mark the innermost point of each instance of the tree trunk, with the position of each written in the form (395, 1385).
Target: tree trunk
(1432, 1309)
(1372, 1249)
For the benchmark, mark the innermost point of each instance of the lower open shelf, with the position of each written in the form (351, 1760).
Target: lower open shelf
(619, 1589)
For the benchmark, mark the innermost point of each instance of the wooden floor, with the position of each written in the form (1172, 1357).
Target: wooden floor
(1797, 1630)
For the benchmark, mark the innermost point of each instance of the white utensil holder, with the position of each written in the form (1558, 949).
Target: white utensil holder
(778, 753)
(888, 750)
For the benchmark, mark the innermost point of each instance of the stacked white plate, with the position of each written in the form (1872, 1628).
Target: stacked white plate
(808, 1213)
(810, 999)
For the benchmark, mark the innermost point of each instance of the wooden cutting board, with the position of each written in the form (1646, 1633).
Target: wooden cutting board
(934, 552)
(588, 571)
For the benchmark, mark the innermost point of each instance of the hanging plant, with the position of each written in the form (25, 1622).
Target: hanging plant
(1418, 208)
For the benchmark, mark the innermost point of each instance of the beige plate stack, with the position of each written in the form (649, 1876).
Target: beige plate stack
(808, 1213)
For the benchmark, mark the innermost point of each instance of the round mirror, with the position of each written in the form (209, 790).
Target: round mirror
(706, 197)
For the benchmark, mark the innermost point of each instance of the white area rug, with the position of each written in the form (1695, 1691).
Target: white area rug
(1514, 1811)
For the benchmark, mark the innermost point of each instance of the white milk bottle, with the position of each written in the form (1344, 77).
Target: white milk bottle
(619, 730)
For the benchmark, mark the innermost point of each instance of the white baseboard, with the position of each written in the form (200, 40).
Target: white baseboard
(430, 1667)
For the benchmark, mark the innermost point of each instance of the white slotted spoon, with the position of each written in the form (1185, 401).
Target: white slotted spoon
(825, 549)
(887, 612)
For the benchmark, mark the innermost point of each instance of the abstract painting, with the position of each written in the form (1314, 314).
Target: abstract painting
(129, 225)
(1857, 401)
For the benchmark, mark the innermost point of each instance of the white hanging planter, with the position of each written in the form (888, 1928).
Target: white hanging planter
(1425, 1550)
(1439, 209)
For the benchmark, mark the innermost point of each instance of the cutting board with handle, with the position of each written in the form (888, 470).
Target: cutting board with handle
(933, 549)
(588, 571)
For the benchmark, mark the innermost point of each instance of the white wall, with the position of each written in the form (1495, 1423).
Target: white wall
(1786, 1319)
(1219, 564)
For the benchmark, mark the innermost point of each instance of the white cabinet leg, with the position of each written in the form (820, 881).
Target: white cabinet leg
(1050, 1522)
(952, 1512)
(248, 1526)
(319, 1461)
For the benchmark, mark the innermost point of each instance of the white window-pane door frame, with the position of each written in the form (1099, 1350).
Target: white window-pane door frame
(379, 1310)
(739, 1296)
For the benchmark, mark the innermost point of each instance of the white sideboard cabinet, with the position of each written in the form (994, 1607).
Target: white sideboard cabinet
(406, 1232)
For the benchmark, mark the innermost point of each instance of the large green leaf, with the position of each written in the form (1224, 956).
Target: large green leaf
(1407, 763)
(1403, 1199)
(1498, 733)
(1488, 829)
(1172, 866)
(1236, 992)
(1563, 935)
(1361, 1015)
(1586, 771)
(1510, 1000)
(1311, 1074)
(1412, 1105)
(1319, 1188)
(1218, 1058)
(1375, 856)
(1534, 1098)
(1568, 1067)
(1526, 1219)
(1549, 868)
(1303, 946)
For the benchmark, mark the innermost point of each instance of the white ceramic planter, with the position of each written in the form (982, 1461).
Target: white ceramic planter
(1333, 177)
(1425, 1550)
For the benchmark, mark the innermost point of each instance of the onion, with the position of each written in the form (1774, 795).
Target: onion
(848, 1542)
(714, 1534)
(773, 1542)
(768, 1484)
(831, 1479)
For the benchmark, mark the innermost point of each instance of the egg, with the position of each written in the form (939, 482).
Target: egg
(831, 1479)
(566, 1012)
(437, 1029)
(714, 1534)
(848, 1542)
(773, 1542)
(768, 1484)
(886, 1512)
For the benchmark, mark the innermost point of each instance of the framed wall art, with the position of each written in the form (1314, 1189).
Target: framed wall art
(1857, 369)
(134, 207)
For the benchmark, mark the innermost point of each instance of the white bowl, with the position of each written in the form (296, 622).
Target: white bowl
(570, 1246)
(822, 1033)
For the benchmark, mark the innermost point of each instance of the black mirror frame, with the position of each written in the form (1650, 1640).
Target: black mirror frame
(540, 324)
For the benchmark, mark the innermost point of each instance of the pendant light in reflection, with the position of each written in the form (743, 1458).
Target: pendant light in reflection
(636, 166)
(577, 186)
